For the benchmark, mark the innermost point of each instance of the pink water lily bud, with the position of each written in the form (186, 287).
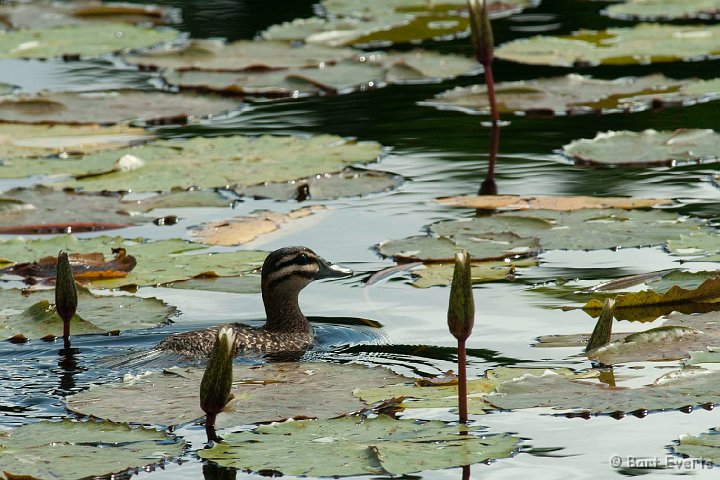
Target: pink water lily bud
(461, 309)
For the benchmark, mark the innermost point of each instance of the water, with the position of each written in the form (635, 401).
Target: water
(440, 153)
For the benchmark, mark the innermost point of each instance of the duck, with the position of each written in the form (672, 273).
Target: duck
(285, 272)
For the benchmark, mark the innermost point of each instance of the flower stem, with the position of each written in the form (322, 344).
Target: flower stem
(462, 382)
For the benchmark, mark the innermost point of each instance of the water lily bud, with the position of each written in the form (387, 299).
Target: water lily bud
(461, 311)
(603, 328)
(217, 379)
(65, 293)
(482, 35)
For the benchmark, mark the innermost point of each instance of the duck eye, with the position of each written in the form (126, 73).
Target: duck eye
(303, 259)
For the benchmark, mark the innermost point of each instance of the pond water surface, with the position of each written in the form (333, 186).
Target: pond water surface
(439, 153)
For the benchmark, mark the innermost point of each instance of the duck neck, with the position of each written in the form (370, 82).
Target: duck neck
(283, 312)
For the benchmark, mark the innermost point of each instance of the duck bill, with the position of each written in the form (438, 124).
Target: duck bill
(328, 270)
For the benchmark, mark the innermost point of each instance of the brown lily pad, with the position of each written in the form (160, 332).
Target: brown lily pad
(111, 107)
(534, 202)
(241, 230)
(85, 266)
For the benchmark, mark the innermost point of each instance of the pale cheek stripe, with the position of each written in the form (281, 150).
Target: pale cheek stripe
(292, 269)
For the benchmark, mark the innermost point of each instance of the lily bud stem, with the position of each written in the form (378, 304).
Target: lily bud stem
(210, 427)
(462, 382)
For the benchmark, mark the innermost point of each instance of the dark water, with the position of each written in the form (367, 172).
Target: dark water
(440, 153)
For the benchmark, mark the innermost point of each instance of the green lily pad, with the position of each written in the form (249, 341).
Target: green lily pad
(20, 141)
(663, 9)
(441, 274)
(705, 446)
(68, 450)
(396, 21)
(158, 262)
(87, 40)
(349, 446)
(587, 229)
(246, 284)
(575, 94)
(648, 147)
(643, 43)
(43, 14)
(191, 198)
(216, 55)
(706, 244)
(359, 72)
(110, 107)
(703, 357)
(42, 206)
(318, 390)
(226, 161)
(35, 317)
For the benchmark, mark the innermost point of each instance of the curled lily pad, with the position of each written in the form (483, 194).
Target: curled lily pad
(318, 390)
(349, 446)
(241, 230)
(348, 183)
(705, 446)
(574, 94)
(68, 450)
(111, 107)
(359, 72)
(45, 210)
(216, 55)
(84, 266)
(46, 14)
(643, 43)
(663, 9)
(35, 317)
(226, 161)
(649, 147)
(87, 40)
(158, 262)
(543, 202)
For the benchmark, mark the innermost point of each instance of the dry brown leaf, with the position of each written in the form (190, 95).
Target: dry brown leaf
(85, 266)
(543, 202)
(246, 229)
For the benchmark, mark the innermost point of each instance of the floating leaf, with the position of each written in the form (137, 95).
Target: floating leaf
(348, 446)
(574, 94)
(441, 274)
(648, 147)
(663, 9)
(18, 141)
(35, 317)
(360, 72)
(45, 14)
(85, 266)
(69, 450)
(318, 390)
(587, 229)
(44, 210)
(225, 161)
(697, 243)
(239, 230)
(543, 202)
(250, 55)
(643, 43)
(158, 262)
(180, 199)
(246, 284)
(705, 446)
(86, 40)
(110, 107)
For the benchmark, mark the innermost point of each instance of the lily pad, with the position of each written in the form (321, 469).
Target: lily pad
(55, 211)
(587, 229)
(86, 40)
(69, 450)
(574, 94)
(216, 55)
(19, 140)
(641, 44)
(46, 14)
(706, 244)
(348, 446)
(191, 198)
(649, 147)
(543, 202)
(348, 183)
(239, 230)
(111, 107)
(317, 390)
(663, 9)
(216, 162)
(35, 317)
(441, 274)
(397, 21)
(158, 262)
(360, 72)
(705, 446)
